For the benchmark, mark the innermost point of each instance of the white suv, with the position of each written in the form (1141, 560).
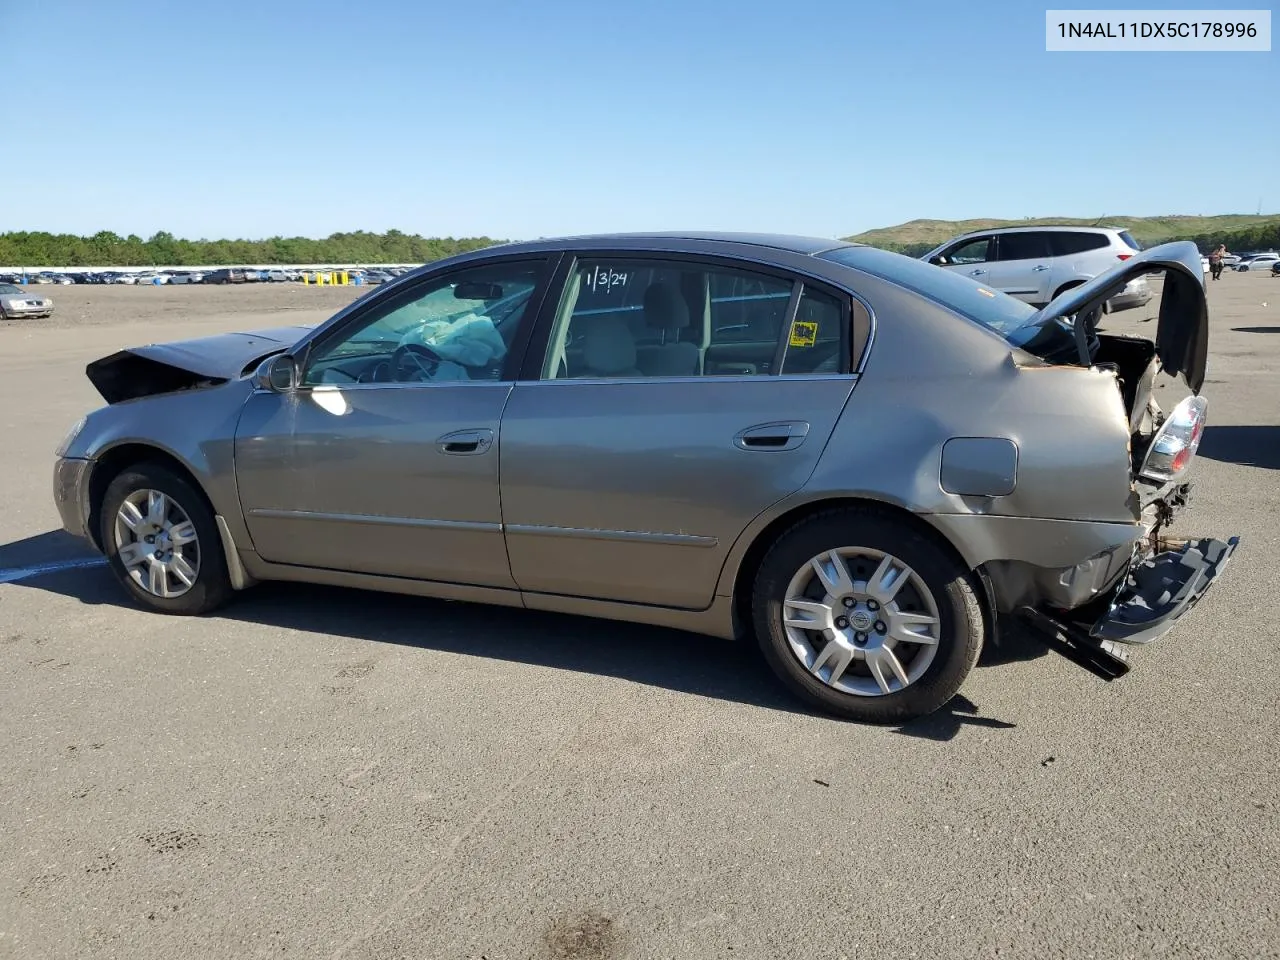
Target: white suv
(1036, 264)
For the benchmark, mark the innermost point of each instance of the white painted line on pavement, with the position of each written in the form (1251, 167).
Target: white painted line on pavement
(13, 574)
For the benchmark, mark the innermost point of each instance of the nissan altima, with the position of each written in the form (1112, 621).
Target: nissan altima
(863, 463)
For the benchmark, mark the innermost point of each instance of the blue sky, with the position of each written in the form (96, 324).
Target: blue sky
(519, 119)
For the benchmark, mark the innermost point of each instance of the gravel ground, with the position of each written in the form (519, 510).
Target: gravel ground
(81, 306)
(319, 772)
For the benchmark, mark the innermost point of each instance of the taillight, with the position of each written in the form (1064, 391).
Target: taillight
(1123, 256)
(1177, 441)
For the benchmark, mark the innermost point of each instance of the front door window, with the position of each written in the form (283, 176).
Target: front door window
(452, 328)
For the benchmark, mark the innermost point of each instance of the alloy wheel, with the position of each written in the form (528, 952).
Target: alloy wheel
(157, 544)
(861, 621)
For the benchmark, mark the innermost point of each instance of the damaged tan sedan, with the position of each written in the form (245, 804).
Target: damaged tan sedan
(856, 459)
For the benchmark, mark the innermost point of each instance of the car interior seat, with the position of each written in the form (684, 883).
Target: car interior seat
(608, 349)
(666, 311)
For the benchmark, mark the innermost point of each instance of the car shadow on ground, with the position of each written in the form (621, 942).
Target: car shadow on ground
(670, 659)
(1256, 329)
(1250, 446)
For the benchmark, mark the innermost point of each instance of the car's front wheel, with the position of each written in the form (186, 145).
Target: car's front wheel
(162, 543)
(865, 617)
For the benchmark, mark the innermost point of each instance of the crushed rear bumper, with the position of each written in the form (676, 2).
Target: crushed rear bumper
(1155, 592)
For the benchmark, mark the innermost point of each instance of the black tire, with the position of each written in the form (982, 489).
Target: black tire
(212, 586)
(961, 624)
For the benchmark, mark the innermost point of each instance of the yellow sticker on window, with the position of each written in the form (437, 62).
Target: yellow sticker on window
(804, 333)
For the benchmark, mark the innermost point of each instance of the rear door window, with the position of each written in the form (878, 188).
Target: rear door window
(818, 338)
(1033, 245)
(628, 317)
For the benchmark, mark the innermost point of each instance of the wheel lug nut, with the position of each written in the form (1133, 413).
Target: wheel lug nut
(872, 605)
(880, 627)
(859, 638)
(848, 601)
(841, 623)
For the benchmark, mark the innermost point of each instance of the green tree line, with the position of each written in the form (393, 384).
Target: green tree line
(107, 249)
(1260, 237)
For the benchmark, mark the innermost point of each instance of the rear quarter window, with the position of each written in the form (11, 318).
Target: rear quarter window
(1067, 243)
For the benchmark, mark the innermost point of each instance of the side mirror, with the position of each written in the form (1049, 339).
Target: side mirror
(938, 261)
(279, 374)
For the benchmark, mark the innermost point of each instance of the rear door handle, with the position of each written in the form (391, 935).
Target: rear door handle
(1039, 268)
(462, 443)
(783, 435)
(976, 273)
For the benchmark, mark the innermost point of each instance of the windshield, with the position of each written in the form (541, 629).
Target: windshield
(9, 288)
(1010, 318)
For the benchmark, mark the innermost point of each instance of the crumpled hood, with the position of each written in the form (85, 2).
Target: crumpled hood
(184, 364)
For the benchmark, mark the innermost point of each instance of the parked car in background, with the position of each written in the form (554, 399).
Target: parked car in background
(1275, 269)
(1259, 261)
(225, 275)
(377, 276)
(1037, 264)
(275, 276)
(16, 302)
(854, 457)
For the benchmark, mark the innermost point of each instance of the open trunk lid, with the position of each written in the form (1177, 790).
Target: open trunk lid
(1182, 333)
(185, 364)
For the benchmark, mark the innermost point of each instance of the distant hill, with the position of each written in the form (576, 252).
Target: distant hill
(1240, 230)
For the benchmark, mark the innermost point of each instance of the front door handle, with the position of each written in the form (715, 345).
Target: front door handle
(1039, 268)
(462, 443)
(977, 273)
(783, 435)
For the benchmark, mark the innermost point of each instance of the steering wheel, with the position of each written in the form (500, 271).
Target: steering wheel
(413, 358)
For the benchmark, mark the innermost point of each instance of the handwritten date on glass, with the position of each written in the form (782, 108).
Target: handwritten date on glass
(604, 279)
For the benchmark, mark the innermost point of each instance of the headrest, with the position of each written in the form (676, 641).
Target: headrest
(608, 346)
(664, 308)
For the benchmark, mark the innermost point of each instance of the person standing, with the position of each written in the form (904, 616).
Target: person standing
(1215, 260)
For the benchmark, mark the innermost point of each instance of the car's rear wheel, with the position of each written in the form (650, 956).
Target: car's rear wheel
(162, 543)
(865, 617)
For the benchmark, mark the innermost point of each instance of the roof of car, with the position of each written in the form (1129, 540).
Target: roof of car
(777, 241)
(1067, 228)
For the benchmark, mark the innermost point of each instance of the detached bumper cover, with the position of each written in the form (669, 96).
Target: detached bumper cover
(1161, 588)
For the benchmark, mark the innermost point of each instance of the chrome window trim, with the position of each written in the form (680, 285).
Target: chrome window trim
(393, 385)
(703, 378)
